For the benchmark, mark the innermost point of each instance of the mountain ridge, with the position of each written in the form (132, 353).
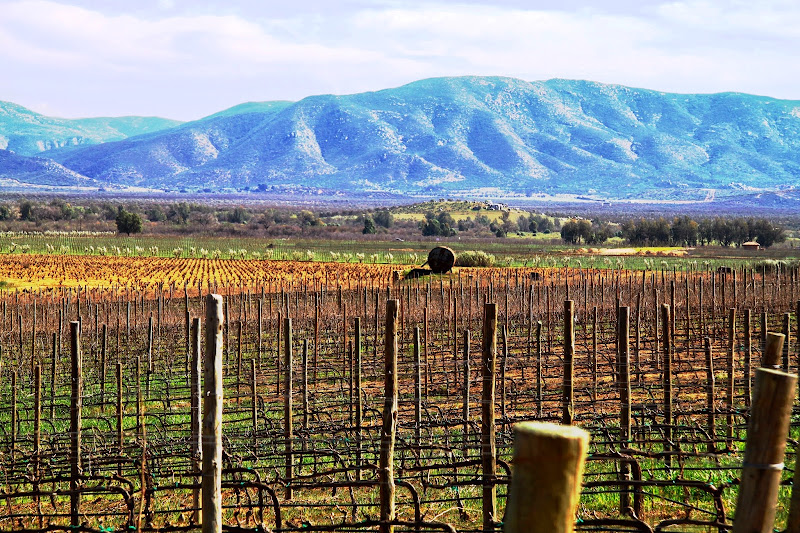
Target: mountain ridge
(470, 135)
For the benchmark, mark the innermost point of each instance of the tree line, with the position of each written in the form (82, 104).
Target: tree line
(683, 231)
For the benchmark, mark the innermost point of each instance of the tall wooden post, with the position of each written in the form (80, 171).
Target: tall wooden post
(772, 354)
(763, 456)
(212, 417)
(748, 357)
(624, 385)
(358, 404)
(388, 429)
(417, 388)
(546, 485)
(488, 445)
(196, 415)
(710, 395)
(466, 391)
(568, 404)
(731, 376)
(288, 429)
(75, 424)
(667, 378)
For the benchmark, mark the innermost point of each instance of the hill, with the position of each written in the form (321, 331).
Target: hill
(28, 133)
(474, 136)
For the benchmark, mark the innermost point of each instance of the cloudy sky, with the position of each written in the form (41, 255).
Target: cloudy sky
(186, 59)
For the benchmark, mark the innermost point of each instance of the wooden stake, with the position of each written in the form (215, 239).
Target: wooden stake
(569, 355)
(488, 445)
(75, 425)
(763, 456)
(212, 417)
(388, 429)
(546, 484)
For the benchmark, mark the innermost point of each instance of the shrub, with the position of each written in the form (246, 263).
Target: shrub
(473, 258)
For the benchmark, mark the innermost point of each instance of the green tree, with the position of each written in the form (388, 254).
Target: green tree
(26, 210)
(369, 226)
(384, 217)
(128, 222)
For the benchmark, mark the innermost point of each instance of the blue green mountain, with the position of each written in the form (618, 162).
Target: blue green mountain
(467, 135)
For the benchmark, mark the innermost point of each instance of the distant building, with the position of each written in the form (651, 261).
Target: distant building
(751, 245)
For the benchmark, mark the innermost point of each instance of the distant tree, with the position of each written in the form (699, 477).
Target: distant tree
(384, 217)
(179, 212)
(441, 224)
(767, 234)
(239, 215)
(369, 226)
(128, 222)
(26, 210)
(5, 212)
(570, 232)
(155, 213)
(684, 231)
(308, 218)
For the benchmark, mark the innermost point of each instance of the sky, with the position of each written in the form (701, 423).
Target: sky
(185, 59)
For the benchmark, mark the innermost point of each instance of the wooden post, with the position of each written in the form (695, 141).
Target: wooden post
(488, 445)
(763, 455)
(465, 404)
(594, 354)
(731, 376)
(787, 332)
(568, 407)
(37, 436)
(667, 379)
(120, 417)
(103, 352)
(149, 369)
(75, 425)
(386, 464)
(196, 415)
(772, 354)
(539, 375)
(710, 395)
(546, 485)
(748, 356)
(212, 417)
(624, 385)
(417, 389)
(288, 429)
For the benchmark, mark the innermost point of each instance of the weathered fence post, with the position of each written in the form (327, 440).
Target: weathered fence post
(710, 395)
(763, 454)
(196, 430)
(539, 376)
(417, 389)
(288, 429)
(212, 417)
(667, 379)
(465, 405)
(75, 425)
(488, 446)
(772, 353)
(546, 483)
(569, 355)
(386, 465)
(624, 386)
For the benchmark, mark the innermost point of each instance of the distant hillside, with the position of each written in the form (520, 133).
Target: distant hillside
(451, 136)
(28, 133)
(16, 170)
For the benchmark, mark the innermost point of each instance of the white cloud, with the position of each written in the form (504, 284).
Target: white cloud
(178, 62)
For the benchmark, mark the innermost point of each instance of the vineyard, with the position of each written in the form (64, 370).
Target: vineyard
(101, 391)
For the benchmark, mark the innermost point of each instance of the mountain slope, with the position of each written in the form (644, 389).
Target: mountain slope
(472, 134)
(17, 170)
(28, 133)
